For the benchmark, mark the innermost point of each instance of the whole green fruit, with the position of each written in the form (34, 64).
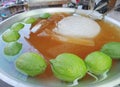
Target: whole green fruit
(17, 26)
(112, 49)
(29, 20)
(98, 63)
(31, 64)
(12, 48)
(10, 35)
(45, 15)
(68, 67)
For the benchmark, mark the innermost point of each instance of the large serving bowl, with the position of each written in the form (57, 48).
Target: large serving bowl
(14, 78)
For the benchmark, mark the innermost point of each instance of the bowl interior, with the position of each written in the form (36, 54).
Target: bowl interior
(9, 74)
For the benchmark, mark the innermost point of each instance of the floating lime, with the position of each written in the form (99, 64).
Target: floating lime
(12, 48)
(45, 15)
(31, 64)
(112, 49)
(98, 63)
(10, 35)
(17, 26)
(68, 67)
(29, 20)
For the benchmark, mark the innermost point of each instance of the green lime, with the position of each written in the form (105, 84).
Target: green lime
(12, 48)
(68, 67)
(45, 15)
(98, 63)
(17, 26)
(112, 49)
(29, 20)
(31, 64)
(10, 35)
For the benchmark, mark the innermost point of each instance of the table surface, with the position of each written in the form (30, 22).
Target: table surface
(111, 14)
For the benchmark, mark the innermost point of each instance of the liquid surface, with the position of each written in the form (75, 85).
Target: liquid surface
(50, 48)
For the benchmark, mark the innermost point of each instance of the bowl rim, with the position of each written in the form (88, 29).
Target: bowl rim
(15, 82)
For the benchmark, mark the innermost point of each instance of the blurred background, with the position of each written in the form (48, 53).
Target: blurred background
(11, 7)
